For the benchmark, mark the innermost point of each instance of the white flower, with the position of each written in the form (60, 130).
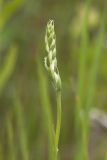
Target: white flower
(50, 60)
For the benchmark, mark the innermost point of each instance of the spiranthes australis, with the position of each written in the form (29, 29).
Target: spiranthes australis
(51, 60)
(51, 67)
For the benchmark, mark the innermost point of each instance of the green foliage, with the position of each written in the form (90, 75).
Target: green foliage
(10, 135)
(8, 67)
(21, 131)
(8, 10)
(30, 127)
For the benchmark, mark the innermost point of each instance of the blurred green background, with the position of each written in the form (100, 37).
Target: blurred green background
(22, 31)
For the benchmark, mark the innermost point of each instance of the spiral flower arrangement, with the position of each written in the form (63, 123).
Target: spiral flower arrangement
(51, 60)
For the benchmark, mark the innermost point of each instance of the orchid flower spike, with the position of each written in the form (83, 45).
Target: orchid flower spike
(51, 60)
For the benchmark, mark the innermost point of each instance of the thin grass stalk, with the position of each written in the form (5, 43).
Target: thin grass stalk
(95, 63)
(10, 135)
(8, 67)
(95, 66)
(23, 144)
(81, 125)
(83, 57)
(43, 87)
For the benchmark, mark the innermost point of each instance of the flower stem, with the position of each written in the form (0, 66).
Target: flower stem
(58, 123)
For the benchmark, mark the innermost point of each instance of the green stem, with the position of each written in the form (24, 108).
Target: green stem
(10, 134)
(46, 110)
(58, 123)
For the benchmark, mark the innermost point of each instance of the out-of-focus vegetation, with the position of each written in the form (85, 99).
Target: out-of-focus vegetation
(26, 96)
